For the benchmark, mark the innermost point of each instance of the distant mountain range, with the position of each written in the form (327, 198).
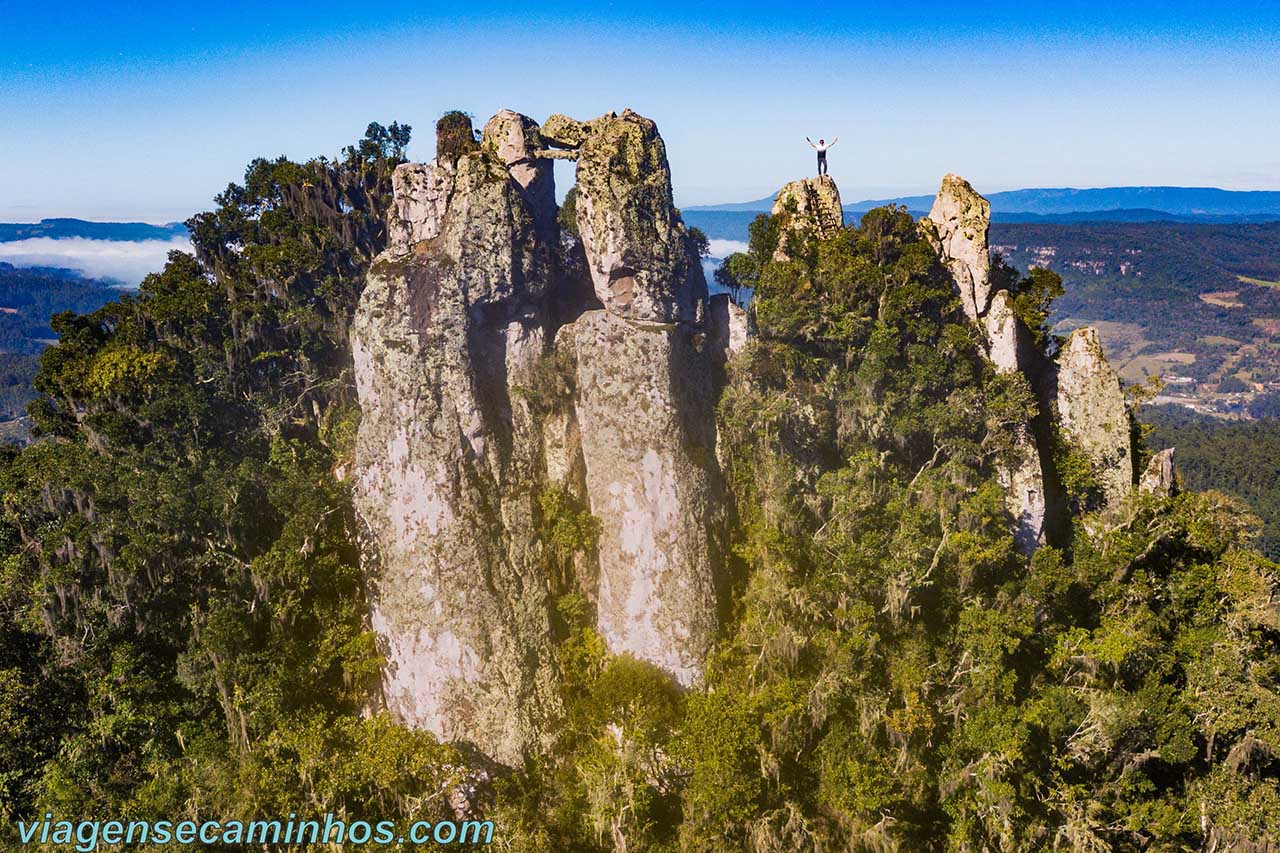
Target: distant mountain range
(1109, 204)
(58, 228)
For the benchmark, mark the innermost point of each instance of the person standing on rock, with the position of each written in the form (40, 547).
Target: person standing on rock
(821, 148)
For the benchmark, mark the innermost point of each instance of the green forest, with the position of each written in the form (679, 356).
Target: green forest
(1211, 291)
(29, 297)
(184, 622)
(1239, 457)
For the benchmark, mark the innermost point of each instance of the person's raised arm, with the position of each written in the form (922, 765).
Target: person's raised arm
(810, 141)
(833, 142)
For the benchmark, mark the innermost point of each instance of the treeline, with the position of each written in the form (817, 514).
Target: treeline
(182, 619)
(17, 372)
(62, 228)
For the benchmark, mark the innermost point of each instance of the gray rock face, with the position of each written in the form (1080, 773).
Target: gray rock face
(446, 457)
(1158, 478)
(644, 401)
(645, 410)
(811, 204)
(453, 330)
(418, 207)
(515, 140)
(728, 327)
(1011, 351)
(1094, 414)
(958, 226)
(642, 263)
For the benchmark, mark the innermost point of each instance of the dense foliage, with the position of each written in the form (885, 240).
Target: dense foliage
(183, 616)
(895, 675)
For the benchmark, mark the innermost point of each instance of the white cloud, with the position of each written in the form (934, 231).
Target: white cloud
(127, 261)
(725, 248)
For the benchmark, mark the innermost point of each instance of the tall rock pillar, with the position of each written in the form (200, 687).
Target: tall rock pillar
(447, 462)
(958, 226)
(645, 399)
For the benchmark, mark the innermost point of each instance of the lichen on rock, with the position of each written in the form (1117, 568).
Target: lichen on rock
(1094, 414)
(811, 206)
(455, 347)
(958, 225)
(645, 409)
(447, 458)
(642, 262)
(645, 403)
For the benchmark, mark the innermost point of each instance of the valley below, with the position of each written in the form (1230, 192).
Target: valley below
(1195, 305)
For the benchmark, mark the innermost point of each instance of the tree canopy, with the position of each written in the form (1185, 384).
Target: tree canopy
(184, 623)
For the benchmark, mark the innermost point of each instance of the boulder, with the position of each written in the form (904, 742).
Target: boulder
(515, 139)
(420, 195)
(563, 132)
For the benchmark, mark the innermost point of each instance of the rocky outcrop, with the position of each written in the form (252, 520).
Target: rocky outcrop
(1093, 413)
(1081, 385)
(466, 320)
(515, 140)
(645, 401)
(1011, 349)
(637, 248)
(811, 206)
(447, 464)
(1158, 479)
(728, 327)
(958, 226)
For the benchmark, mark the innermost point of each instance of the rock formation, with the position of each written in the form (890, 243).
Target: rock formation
(450, 322)
(637, 248)
(811, 204)
(498, 360)
(729, 327)
(1158, 479)
(645, 401)
(1011, 349)
(645, 412)
(1083, 388)
(1093, 413)
(462, 314)
(958, 225)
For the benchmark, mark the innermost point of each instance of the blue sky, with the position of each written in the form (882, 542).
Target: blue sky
(145, 110)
